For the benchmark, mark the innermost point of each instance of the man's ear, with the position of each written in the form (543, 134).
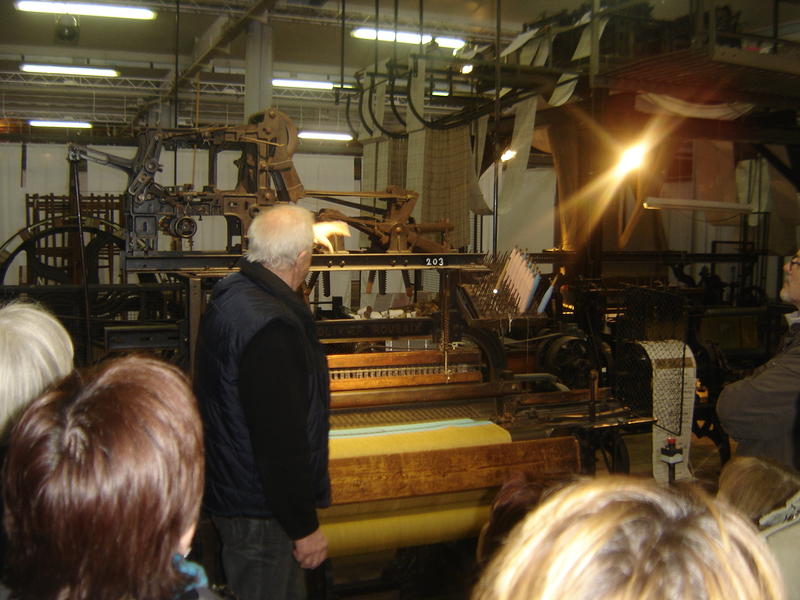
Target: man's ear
(302, 255)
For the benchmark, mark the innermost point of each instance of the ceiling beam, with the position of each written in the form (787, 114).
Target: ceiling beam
(221, 33)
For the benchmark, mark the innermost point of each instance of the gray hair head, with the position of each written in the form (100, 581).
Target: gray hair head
(35, 352)
(279, 234)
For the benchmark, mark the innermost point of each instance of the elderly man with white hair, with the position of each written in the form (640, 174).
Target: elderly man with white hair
(262, 384)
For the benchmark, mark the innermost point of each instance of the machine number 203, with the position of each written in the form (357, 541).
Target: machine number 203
(436, 261)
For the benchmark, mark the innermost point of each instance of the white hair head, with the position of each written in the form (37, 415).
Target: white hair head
(35, 351)
(279, 234)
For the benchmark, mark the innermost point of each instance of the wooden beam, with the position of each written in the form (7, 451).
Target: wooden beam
(403, 475)
(786, 170)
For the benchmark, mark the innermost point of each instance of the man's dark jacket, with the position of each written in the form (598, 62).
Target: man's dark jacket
(761, 411)
(241, 305)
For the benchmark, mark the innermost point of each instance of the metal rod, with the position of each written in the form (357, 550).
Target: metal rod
(495, 148)
(76, 187)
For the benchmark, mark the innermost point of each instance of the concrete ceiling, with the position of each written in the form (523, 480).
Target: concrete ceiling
(306, 44)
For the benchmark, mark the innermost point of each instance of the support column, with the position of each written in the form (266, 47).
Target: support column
(258, 69)
(161, 115)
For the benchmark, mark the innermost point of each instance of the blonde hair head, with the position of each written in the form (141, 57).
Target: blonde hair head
(756, 486)
(620, 538)
(35, 352)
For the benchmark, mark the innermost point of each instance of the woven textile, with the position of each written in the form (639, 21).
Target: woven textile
(448, 165)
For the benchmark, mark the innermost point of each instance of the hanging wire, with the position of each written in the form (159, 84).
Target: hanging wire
(347, 116)
(392, 103)
(342, 37)
(361, 110)
(393, 67)
(370, 106)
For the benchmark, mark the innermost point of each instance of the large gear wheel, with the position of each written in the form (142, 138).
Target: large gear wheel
(32, 242)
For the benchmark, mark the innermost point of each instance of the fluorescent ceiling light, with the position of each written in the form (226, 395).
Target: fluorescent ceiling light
(69, 70)
(299, 83)
(405, 37)
(440, 93)
(71, 124)
(448, 42)
(86, 9)
(325, 135)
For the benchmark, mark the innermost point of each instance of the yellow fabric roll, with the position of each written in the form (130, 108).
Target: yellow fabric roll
(383, 532)
(374, 526)
(459, 436)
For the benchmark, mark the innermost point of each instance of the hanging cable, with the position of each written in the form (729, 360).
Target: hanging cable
(347, 116)
(464, 116)
(392, 103)
(391, 69)
(371, 97)
(392, 134)
(342, 37)
(361, 111)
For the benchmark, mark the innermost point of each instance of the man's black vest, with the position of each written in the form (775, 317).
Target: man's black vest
(240, 306)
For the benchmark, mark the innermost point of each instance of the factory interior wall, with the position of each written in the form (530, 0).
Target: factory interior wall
(46, 171)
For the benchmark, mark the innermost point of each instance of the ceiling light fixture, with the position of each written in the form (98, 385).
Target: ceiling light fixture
(304, 84)
(325, 135)
(86, 9)
(70, 124)
(440, 93)
(466, 69)
(68, 70)
(405, 37)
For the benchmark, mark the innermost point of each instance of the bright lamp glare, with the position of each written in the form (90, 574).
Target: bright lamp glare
(299, 83)
(466, 69)
(405, 37)
(71, 124)
(508, 155)
(69, 70)
(631, 159)
(325, 135)
(86, 9)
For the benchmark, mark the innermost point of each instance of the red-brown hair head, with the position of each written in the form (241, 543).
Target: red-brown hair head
(104, 474)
